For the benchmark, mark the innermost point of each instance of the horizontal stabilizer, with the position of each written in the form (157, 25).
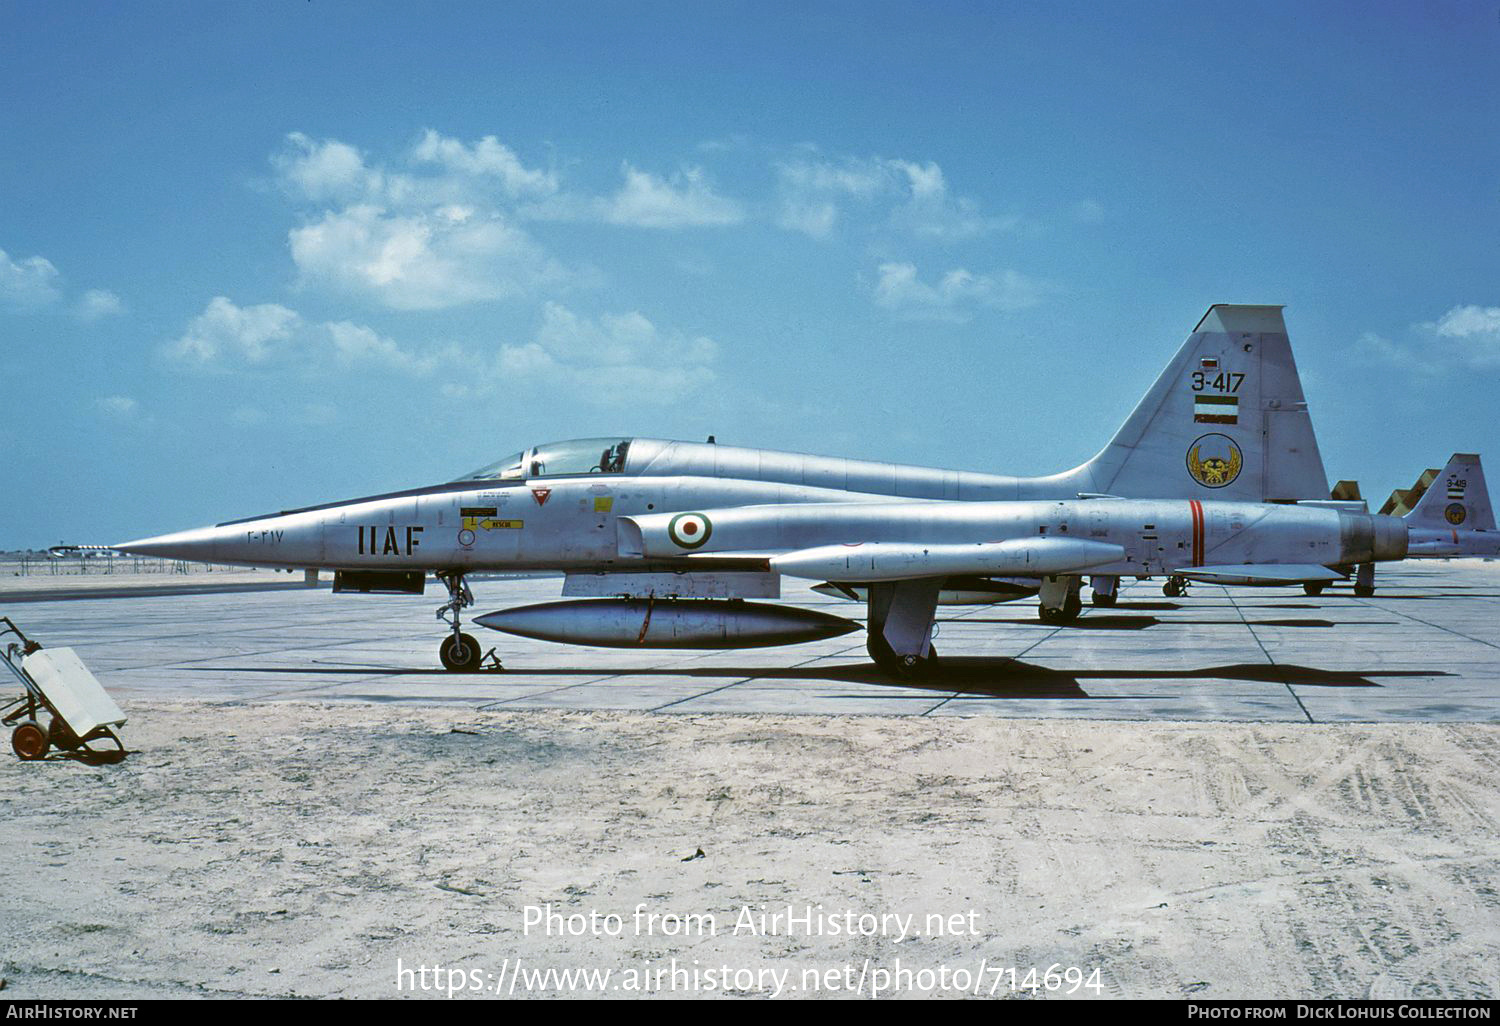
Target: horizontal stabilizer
(1264, 574)
(900, 561)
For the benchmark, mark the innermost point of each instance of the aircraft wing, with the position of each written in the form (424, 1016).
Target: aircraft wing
(1267, 574)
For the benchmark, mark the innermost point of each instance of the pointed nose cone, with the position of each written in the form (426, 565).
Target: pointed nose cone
(198, 545)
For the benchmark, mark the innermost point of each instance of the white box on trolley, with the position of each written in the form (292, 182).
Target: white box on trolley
(72, 690)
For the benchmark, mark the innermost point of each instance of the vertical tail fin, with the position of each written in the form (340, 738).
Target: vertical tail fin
(1226, 420)
(1457, 497)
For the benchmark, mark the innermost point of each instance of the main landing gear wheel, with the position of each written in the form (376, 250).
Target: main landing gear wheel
(1072, 606)
(1103, 600)
(1174, 588)
(1364, 590)
(460, 653)
(902, 667)
(29, 741)
(1313, 588)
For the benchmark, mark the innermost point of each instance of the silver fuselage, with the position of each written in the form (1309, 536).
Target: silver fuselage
(623, 523)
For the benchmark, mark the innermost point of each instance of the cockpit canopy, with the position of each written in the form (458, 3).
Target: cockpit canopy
(554, 459)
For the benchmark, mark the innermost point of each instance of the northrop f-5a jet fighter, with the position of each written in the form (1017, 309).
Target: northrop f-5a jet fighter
(662, 542)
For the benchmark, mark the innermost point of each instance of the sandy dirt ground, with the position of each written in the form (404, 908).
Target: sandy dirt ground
(301, 849)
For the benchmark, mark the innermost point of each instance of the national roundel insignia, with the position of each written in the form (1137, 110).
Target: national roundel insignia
(1214, 460)
(1455, 513)
(689, 530)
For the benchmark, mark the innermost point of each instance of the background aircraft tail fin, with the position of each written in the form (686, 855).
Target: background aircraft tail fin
(1226, 420)
(1404, 500)
(1456, 497)
(1395, 501)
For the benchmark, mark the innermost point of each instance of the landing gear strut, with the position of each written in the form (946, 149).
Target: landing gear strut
(459, 652)
(1106, 590)
(1059, 602)
(899, 627)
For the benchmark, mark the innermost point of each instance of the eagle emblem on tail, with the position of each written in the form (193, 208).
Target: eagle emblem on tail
(1214, 460)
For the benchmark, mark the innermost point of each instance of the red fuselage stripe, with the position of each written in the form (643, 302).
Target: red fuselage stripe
(1197, 531)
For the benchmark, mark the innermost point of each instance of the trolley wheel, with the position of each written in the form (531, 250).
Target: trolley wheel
(29, 741)
(460, 654)
(61, 736)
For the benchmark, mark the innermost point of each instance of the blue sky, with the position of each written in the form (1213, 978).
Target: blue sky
(261, 255)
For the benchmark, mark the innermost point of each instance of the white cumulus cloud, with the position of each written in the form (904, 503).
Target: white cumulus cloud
(813, 194)
(1471, 334)
(955, 294)
(1469, 322)
(326, 170)
(422, 260)
(96, 304)
(439, 234)
(683, 201)
(686, 199)
(356, 344)
(34, 283)
(612, 359)
(226, 332)
(487, 158)
(29, 282)
(271, 336)
(645, 200)
(1466, 336)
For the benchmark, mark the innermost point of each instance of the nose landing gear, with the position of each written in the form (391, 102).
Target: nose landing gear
(459, 652)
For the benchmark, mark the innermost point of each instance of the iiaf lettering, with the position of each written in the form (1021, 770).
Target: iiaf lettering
(389, 543)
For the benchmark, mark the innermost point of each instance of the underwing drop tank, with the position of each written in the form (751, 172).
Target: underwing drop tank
(656, 623)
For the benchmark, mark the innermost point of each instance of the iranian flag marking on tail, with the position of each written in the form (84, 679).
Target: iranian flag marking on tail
(1216, 409)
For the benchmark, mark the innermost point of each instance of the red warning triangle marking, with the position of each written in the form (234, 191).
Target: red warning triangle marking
(541, 495)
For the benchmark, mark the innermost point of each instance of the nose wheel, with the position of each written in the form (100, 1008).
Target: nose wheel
(459, 653)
